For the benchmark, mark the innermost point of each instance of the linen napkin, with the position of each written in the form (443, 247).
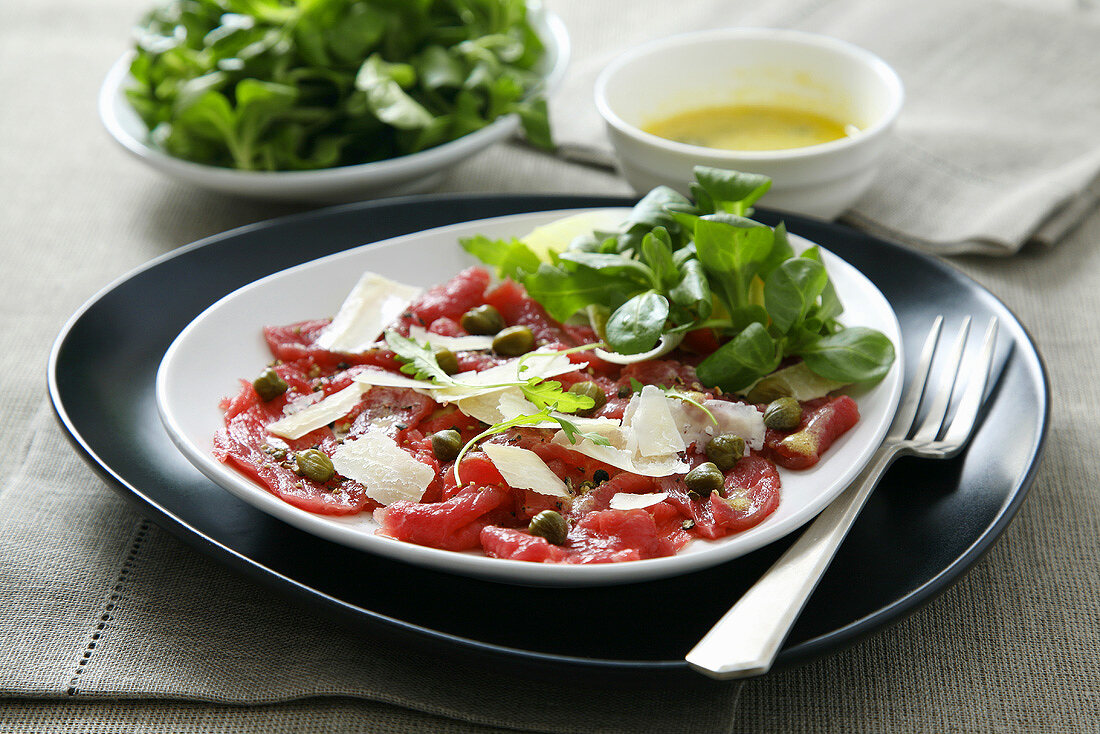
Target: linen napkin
(999, 140)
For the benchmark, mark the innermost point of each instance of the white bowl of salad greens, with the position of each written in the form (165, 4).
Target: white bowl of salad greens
(336, 100)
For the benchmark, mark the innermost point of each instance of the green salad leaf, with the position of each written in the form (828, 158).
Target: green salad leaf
(276, 85)
(675, 265)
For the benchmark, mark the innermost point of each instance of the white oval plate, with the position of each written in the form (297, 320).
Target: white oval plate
(224, 344)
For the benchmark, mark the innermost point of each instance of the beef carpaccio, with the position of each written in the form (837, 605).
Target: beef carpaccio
(652, 461)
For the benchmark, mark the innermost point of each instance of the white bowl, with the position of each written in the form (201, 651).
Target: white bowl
(753, 66)
(403, 175)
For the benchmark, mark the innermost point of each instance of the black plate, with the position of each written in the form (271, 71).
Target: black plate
(925, 525)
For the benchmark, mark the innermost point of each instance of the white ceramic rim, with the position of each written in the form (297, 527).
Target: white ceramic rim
(180, 406)
(873, 62)
(428, 160)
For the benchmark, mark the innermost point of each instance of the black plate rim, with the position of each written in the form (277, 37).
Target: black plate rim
(810, 649)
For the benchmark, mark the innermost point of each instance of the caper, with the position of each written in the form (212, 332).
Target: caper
(783, 414)
(704, 479)
(446, 360)
(767, 390)
(550, 525)
(483, 320)
(589, 389)
(446, 444)
(315, 465)
(625, 390)
(514, 341)
(269, 385)
(725, 450)
(600, 476)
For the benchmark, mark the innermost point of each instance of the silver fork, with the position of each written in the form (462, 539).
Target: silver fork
(746, 640)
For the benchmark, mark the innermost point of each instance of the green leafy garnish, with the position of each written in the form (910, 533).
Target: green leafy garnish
(685, 398)
(548, 394)
(278, 85)
(575, 434)
(418, 360)
(546, 414)
(675, 265)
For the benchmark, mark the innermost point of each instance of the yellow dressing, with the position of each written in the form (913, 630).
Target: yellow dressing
(748, 127)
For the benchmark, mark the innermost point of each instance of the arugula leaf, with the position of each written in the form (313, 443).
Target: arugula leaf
(512, 258)
(685, 398)
(419, 360)
(564, 292)
(548, 394)
(571, 431)
(520, 420)
(575, 435)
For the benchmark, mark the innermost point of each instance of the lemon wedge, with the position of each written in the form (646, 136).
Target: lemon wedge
(556, 236)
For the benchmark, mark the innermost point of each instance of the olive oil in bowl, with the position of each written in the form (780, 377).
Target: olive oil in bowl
(749, 127)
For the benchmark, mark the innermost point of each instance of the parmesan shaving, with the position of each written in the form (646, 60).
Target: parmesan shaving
(628, 501)
(497, 406)
(651, 431)
(523, 469)
(623, 452)
(454, 343)
(387, 472)
(619, 457)
(736, 418)
(320, 414)
(381, 378)
(536, 364)
(302, 402)
(373, 303)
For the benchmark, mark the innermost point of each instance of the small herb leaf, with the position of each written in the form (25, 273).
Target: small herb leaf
(418, 360)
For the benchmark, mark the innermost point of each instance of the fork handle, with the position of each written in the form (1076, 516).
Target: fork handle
(747, 638)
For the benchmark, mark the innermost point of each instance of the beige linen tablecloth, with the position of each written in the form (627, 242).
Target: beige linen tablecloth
(108, 623)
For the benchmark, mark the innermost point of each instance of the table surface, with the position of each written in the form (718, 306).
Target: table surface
(1012, 645)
